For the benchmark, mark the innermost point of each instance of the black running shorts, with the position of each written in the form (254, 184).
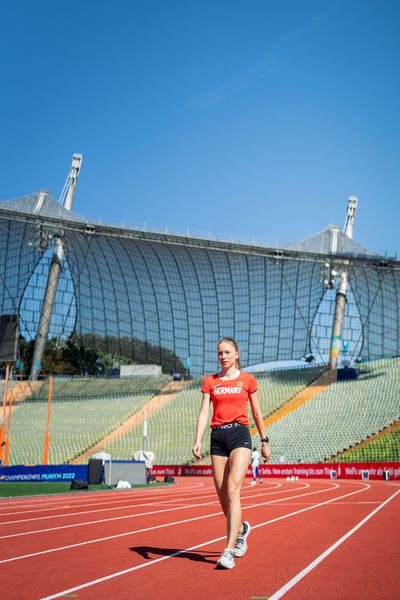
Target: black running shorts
(226, 438)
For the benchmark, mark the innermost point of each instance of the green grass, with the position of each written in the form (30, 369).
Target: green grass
(39, 488)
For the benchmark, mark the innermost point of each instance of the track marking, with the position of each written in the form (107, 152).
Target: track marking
(152, 512)
(122, 507)
(295, 580)
(126, 497)
(101, 495)
(208, 542)
(122, 497)
(102, 500)
(119, 535)
(86, 512)
(119, 518)
(333, 503)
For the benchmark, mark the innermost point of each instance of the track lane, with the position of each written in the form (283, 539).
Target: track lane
(87, 531)
(115, 550)
(80, 499)
(124, 511)
(274, 554)
(375, 551)
(78, 564)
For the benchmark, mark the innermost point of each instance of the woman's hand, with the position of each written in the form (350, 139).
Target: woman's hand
(266, 452)
(197, 450)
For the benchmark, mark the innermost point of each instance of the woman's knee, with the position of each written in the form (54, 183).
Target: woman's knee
(233, 493)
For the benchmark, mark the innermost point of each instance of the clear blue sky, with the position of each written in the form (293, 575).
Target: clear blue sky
(252, 118)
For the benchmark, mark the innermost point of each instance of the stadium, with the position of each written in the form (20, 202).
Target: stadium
(107, 299)
(106, 334)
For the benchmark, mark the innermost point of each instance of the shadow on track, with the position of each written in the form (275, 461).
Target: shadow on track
(148, 553)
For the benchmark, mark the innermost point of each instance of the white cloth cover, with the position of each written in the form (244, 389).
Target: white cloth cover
(123, 485)
(103, 455)
(148, 457)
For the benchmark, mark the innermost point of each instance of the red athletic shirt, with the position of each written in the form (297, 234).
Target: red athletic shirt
(229, 398)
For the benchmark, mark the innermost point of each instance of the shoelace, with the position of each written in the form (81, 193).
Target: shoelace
(228, 554)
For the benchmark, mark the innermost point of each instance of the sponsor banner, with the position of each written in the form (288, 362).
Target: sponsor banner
(388, 470)
(176, 470)
(43, 473)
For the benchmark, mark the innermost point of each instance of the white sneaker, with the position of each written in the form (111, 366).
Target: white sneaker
(226, 560)
(241, 543)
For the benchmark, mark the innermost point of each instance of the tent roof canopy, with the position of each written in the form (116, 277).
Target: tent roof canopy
(33, 204)
(322, 243)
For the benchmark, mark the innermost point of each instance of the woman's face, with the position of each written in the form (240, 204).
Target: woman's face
(227, 355)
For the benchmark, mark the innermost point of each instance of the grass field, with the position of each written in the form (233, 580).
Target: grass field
(39, 488)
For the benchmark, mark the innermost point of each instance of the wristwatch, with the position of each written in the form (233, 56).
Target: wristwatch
(266, 440)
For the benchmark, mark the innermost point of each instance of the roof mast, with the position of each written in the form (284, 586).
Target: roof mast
(67, 199)
(341, 294)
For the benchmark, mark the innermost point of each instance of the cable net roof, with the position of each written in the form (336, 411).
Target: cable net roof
(124, 292)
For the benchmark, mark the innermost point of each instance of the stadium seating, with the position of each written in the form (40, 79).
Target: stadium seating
(83, 411)
(278, 386)
(384, 448)
(346, 413)
(171, 431)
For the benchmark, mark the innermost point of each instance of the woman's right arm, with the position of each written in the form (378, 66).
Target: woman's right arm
(201, 424)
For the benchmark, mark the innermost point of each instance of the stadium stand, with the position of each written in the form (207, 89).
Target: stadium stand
(83, 411)
(171, 430)
(277, 387)
(384, 446)
(346, 413)
(330, 426)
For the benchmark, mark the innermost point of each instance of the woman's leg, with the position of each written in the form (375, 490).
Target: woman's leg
(220, 474)
(238, 463)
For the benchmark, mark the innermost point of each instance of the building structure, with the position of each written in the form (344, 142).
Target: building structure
(128, 289)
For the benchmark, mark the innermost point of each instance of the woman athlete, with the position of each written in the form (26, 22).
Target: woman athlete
(229, 390)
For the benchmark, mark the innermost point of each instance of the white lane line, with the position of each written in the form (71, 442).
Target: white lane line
(130, 516)
(121, 507)
(119, 535)
(208, 542)
(105, 498)
(97, 510)
(121, 517)
(102, 501)
(100, 496)
(122, 496)
(55, 499)
(334, 503)
(111, 537)
(153, 512)
(295, 580)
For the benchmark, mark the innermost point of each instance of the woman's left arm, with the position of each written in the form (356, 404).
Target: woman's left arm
(259, 421)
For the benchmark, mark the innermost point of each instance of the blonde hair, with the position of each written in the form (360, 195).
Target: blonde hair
(234, 344)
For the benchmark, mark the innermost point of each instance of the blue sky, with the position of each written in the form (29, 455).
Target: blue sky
(247, 119)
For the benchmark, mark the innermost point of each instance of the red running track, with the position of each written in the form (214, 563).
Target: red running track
(310, 539)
